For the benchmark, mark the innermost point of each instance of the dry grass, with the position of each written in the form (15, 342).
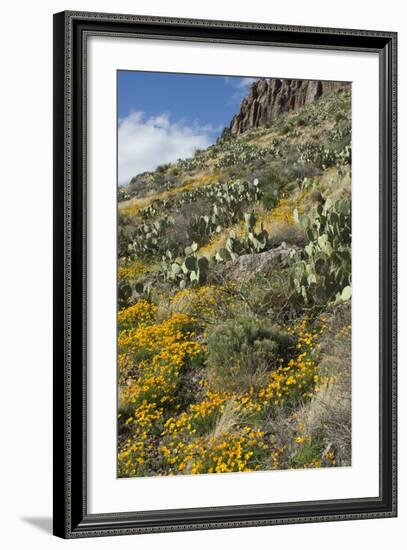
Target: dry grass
(334, 185)
(319, 431)
(227, 421)
(132, 206)
(284, 231)
(327, 417)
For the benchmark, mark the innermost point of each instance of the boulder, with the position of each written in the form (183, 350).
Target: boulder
(245, 267)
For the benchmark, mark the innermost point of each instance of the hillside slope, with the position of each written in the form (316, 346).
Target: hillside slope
(234, 287)
(268, 98)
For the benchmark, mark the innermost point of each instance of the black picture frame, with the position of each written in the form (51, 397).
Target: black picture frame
(71, 519)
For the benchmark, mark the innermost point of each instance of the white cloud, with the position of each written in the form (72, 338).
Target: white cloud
(144, 143)
(241, 86)
(240, 83)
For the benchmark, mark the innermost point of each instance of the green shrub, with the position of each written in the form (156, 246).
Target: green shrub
(306, 454)
(272, 184)
(243, 350)
(162, 168)
(124, 293)
(270, 199)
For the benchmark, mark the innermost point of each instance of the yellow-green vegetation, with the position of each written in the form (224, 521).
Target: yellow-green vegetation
(220, 372)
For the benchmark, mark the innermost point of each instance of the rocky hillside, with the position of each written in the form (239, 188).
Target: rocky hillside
(270, 97)
(234, 287)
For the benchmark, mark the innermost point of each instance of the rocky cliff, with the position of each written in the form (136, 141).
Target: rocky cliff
(269, 97)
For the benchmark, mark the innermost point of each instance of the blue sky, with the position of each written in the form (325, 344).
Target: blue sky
(165, 116)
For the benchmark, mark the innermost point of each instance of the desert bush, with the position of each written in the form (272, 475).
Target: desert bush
(294, 170)
(239, 152)
(272, 296)
(162, 168)
(181, 233)
(270, 199)
(124, 293)
(271, 183)
(123, 236)
(243, 350)
(323, 157)
(145, 183)
(123, 194)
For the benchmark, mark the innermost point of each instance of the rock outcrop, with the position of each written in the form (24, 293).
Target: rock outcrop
(247, 266)
(270, 97)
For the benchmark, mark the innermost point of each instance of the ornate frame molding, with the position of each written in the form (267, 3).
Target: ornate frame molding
(71, 30)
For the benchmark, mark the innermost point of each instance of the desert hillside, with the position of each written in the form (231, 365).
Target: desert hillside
(234, 290)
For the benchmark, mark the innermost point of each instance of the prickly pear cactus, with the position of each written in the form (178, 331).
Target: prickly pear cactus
(324, 275)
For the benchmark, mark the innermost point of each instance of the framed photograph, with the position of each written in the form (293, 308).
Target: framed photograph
(224, 274)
